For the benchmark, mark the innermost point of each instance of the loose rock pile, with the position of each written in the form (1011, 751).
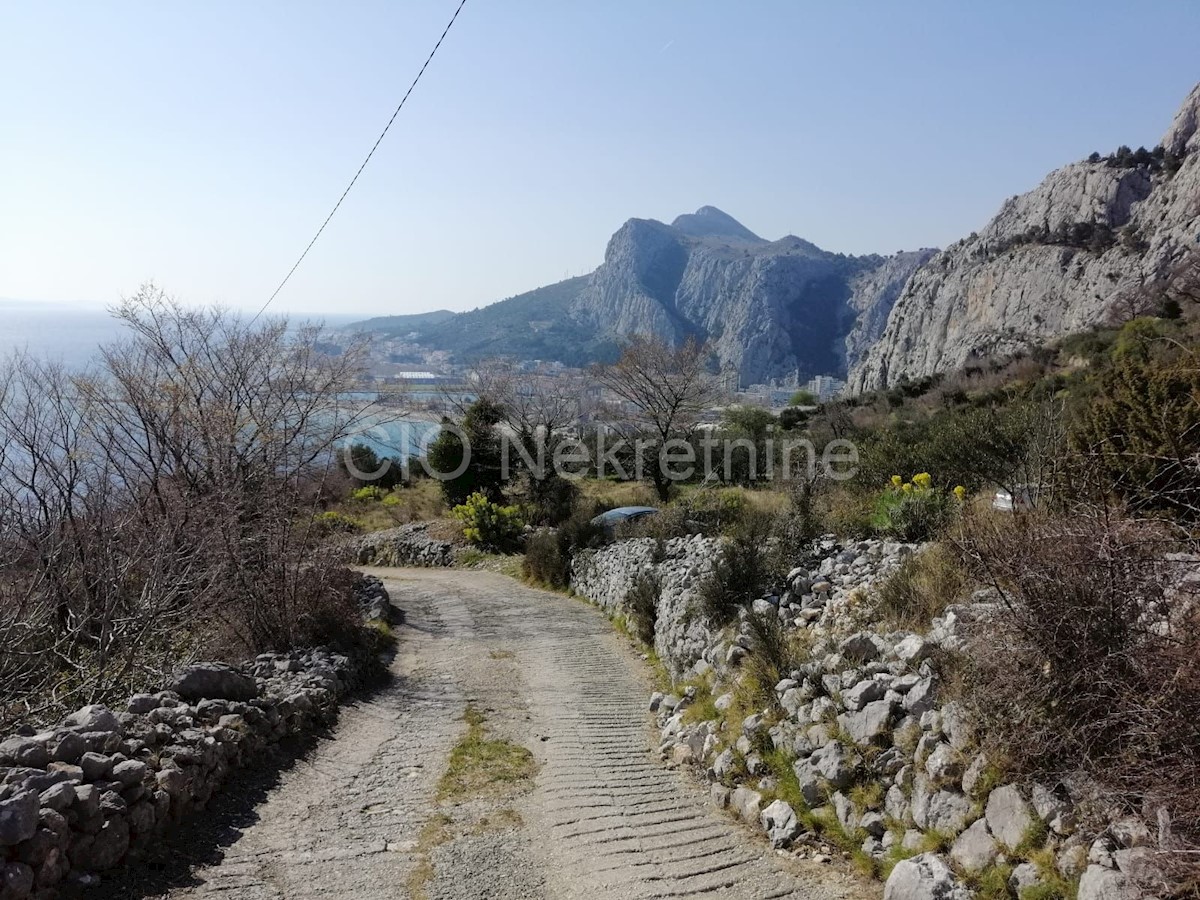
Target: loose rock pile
(407, 545)
(87, 795)
(875, 750)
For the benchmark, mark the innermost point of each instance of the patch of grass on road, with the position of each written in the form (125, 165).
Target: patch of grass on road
(434, 833)
(484, 766)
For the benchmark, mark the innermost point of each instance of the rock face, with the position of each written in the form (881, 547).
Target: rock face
(774, 311)
(1053, 261)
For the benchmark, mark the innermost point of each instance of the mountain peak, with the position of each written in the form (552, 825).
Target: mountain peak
(708, 221)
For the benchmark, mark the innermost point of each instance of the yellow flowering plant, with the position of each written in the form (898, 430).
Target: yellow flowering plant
(913, 510)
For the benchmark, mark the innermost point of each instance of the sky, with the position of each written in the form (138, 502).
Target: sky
(200, 145)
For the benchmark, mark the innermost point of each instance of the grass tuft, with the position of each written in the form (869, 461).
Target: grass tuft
(483, 766)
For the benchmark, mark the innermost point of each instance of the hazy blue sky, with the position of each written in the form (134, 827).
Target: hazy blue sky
(200, 144)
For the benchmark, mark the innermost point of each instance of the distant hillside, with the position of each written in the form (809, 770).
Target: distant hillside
(773, 310)
(402, 325)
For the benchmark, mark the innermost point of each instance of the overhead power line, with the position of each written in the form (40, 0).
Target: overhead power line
(374, 147)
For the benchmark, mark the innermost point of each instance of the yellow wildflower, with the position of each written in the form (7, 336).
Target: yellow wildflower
(897, 481)
(960, 492)
(906, 487)
(922, 480)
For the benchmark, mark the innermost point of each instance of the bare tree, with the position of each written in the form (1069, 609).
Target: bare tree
(156, 506)
(664, 389)
(538, 410)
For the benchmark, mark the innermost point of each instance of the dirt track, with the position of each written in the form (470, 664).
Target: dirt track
(358, 815)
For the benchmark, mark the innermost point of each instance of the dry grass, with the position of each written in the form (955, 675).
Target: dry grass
(921, 589)
(434, 833)
(418, 501)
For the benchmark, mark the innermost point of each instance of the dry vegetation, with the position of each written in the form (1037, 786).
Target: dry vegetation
(149, 507)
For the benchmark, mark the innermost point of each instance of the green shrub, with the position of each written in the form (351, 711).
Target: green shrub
(745, 569)
(331, 522)
(549, 552)
(489, 525)
(715, 509)
(369, 494)
(642, 602)
(546, 561)
(913, 510)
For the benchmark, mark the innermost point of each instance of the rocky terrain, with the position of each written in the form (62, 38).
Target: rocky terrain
(773, 310)
(881, 758)
(1053, 261)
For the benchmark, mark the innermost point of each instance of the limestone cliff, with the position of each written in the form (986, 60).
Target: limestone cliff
(1058, 259)
(773, 310)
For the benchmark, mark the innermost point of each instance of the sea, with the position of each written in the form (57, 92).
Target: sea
(73, 336)
(69, 336)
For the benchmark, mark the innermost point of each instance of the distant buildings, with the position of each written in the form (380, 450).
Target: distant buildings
(825, 387)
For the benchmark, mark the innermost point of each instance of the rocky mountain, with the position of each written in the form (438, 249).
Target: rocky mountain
(1061, 258)
(774, 311)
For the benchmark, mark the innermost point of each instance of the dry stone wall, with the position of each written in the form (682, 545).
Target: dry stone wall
(408, 545)
(94, 791)
(874, 745)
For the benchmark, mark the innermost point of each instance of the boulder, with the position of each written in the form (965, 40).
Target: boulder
(747, 803)
(1057, 812)
(18, 818)
(924, 877)
(1099, 883)
(780, 823)
(1023, 877)
(972, 778)
(1008, 816)
(94, 718)
(870, 723)
(24, 751)
(921, 697)
(214, 681)
(843, 808)
(975, 850)
(95, 766)
(944, 764)
(129, 772)
(855, 698)
(944, 811)
(833, 762)
(16, 880)
(913, 649)
(861, 647)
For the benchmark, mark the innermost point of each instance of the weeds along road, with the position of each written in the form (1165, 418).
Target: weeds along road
(510, 757)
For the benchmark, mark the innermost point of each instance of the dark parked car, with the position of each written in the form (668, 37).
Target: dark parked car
(622, 514)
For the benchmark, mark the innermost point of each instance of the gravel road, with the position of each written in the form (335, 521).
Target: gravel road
(359, 815)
